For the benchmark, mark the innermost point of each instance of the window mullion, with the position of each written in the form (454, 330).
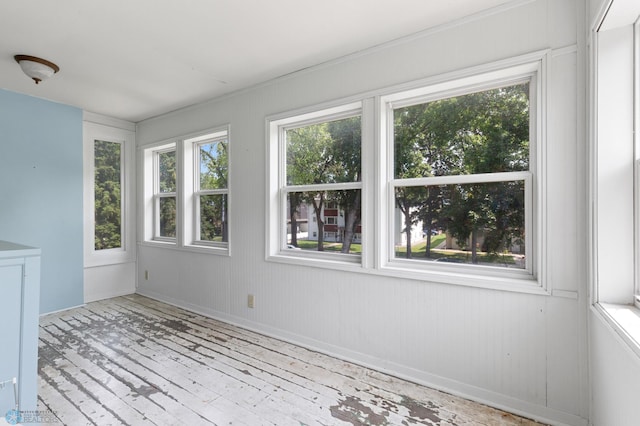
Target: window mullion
(636, 164)
(325, 118)
(322, 187)
(211, 192)
(462, 179)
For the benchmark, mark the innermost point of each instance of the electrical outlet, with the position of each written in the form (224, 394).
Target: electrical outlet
(146, 275)
(251, 301)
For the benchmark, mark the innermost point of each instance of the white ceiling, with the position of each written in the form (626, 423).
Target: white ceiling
(135, 59)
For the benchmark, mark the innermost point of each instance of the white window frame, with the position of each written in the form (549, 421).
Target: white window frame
(614, 167)
(636, 132)
(470, 274)
(95, 128)
(148, 187)
(191, 203)
(157, 195)
(187, 197)
(378, 182)
(278, 189)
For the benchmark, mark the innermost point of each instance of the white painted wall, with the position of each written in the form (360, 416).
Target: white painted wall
(103, 282)
(615, 376)
(614, 368)
(615, 161)
(109, 273)
(523, 352)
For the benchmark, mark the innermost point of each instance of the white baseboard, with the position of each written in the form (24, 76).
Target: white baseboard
(502, 402)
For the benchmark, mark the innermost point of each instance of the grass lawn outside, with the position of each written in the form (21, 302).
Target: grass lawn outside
(463, 256)
(418, 252)
(329, 246)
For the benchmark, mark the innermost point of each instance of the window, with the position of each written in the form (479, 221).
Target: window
(461, 174)
(165, 202)
(186, 190)
(109, 225)
(636, 126)
(210, 192)
(615, 170)
(462, 185)
(108, 194)
(321, 172)
(436, 181)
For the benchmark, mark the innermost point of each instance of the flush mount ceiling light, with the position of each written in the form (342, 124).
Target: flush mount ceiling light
(37, 68)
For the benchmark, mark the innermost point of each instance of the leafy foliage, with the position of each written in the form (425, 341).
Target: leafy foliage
(328, 152)
(167, 166)
(107, 195)
(167, 205)
(214, 165)
(483, 132)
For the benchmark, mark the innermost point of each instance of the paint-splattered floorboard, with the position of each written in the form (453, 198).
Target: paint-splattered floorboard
(135, 361)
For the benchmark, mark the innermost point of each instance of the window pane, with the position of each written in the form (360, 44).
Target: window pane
(167, 166)
(213, 218)
(484, 132)
(107, 193)
(479, 223)
(213, 165)
(324, 221)
(167, 217)
(324, 153)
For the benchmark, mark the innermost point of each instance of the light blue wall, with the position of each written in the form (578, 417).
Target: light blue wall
(41, 191)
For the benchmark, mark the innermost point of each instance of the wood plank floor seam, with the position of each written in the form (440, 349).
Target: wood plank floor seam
(135, 361)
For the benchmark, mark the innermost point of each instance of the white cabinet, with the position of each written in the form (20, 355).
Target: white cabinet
(19, 315)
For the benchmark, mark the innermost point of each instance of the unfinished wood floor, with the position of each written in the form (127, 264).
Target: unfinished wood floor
(135, 361)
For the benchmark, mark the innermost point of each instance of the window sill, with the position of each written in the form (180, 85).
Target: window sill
(220, 251)
(467, 277)
(451, 276)
(625, 320)
(322, 260)
(97, 261)
(208, 249)
(107, 257)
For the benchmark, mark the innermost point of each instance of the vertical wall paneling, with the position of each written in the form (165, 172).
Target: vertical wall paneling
(512, 350)
(564, 222)
(109, 273)
(615, 165)
(614, 367)
(615, 376)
